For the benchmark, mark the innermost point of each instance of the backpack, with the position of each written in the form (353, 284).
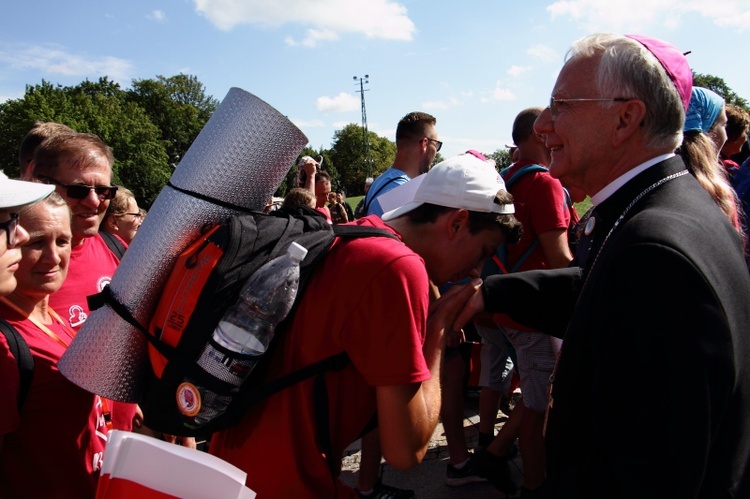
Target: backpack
(205, 281)
(500, 258)
(21, 352)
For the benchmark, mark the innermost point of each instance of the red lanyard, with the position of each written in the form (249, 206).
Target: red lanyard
(55, 337)
(41, 326)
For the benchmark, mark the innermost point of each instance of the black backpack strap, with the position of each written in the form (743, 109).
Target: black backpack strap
(21, 352)
(356, 231)
(333, 363)
(106, 297)
(113, 243)
(322, 423)
(209, 199)
(318, 369)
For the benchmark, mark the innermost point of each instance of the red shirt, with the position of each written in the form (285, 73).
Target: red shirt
(54, 447)
(541, 206)
(369, 298)
(92, 265)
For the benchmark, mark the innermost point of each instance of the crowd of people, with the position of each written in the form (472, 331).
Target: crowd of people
(558, 301)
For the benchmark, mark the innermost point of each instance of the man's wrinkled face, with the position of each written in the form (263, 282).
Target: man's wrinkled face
(578, 136)
(89, 211)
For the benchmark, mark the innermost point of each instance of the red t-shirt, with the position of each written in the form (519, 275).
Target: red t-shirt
(54, 447)
(541, 206)
(368, 298)
(92, 265)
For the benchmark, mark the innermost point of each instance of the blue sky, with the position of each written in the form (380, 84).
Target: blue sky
(473, 64)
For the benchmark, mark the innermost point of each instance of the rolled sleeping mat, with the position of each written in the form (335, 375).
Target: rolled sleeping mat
(237, 162)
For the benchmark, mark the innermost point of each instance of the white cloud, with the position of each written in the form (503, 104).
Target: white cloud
(157, 15)
(328, 19)
(544, 53)
(52, 59)
(441, 104)
(342, 103)
(312, 38)
(518, 71)
(630, 15)
(500, 93)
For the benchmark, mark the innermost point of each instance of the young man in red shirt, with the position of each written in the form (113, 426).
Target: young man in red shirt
(459, 215)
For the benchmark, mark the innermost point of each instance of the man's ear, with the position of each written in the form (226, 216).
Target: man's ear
(456, 220)
(629, 120)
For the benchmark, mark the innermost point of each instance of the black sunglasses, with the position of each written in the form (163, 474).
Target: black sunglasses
(438, 144)
(81, 191)
(10, 227)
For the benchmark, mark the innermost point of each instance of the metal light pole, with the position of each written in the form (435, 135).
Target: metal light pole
(365, 134)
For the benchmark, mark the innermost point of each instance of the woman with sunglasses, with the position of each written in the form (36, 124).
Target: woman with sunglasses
(123, 217)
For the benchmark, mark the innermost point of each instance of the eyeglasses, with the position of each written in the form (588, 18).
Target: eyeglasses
(438, 144)
(553, 103)
(10, 227)
(81, 191)
(136, 215)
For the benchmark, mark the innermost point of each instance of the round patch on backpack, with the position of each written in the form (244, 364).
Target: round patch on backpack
(188, 399)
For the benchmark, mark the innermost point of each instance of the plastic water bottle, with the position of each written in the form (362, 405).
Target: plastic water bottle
(243, 335)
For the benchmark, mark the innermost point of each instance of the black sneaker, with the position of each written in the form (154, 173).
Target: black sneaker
(455, 477)
(496, 470)
(382, 491)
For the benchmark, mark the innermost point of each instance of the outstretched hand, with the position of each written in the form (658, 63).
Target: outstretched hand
(472, 307)
(443, 313)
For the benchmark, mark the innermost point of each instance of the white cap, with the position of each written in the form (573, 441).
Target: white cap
(462, 182)
(14, 193)
(296, 251)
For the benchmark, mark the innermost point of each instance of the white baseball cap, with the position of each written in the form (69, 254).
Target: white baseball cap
(14, 193)
(462, 182)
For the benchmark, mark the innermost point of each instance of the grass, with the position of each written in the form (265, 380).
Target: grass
(353, 201)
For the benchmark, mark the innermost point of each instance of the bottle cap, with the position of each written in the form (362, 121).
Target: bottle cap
(297, 251)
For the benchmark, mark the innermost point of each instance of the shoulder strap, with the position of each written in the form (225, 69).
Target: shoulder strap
(114, 244)
(500, 257)
(357, 231)
(21, 352)
(520, 173)
(375, 195)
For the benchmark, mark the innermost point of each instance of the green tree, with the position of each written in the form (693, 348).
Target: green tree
(501, 158)
(178, 106)
(719, 86)
(130, 121)
(347, 154)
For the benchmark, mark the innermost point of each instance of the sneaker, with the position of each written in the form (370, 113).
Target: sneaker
(496, 470)
(382, 491)
(456, 477)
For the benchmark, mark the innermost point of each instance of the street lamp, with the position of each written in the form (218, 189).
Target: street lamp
(365, 134)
